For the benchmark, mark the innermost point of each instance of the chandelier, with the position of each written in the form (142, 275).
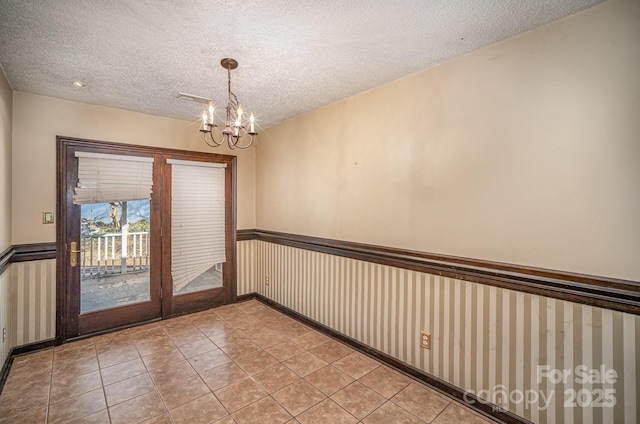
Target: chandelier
(235, 133)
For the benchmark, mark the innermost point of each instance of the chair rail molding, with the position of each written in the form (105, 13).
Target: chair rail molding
(603, 292)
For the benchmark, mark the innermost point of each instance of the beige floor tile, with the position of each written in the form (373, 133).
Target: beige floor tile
(18, 404)
(28, 376)
(100, 417)
(356, 365)
(128, 389)
(179, 326)
(110, 339)
(456, 414)
(385, 381)
(77, 407)
(178, 322)
(118, 355)
(310, 340)
(227, 335)
(120, 340)
(226, 312)
(222, 376)
(331, 351)
(156, 345)
(33, 416)
(147, 332)
(204, 318)
(163, 359)
(74, 345)
(197, 347)
(186, 335)
(241, 320)
(76, 366)
(226, 420)
(329, 379)
(298, 397)
(275, 378)
(239, 347)
(392, 413)
(172, 372)
(305, 363)
(181, 391)
(202, 410)
(255, 362)
(137, 409)
(264, 410)
(358, 399)
(285, 350)
(250, 306)
(64, 386)
(292, 330)
(163, 418)
(122, 371)
(80, 350)
(240, 394)
(326, 411)
(208, 360)
(267, 338)
(33, 363)
(28, 384)
(250, 327)
(421, 401)
(213, 328)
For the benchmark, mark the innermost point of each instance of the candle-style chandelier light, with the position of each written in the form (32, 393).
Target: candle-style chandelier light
(234, 132)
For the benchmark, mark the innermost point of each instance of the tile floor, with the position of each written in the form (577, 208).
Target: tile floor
(243, 363)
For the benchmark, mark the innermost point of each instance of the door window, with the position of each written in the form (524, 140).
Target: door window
(115, 254)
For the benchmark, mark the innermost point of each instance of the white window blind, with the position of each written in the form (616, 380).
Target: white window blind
(104, 178)
(197, 219)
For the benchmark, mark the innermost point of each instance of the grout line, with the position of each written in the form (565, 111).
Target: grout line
(53, 358)
(441, 412)
(104, 392)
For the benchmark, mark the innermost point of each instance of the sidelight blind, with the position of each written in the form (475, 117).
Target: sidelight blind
(104, 178)
(197, 219)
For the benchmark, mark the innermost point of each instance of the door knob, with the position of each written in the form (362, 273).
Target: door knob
(73, 258)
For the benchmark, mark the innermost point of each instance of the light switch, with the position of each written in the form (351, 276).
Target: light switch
(47, 217)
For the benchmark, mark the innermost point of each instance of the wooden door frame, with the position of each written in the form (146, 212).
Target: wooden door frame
(66, 328)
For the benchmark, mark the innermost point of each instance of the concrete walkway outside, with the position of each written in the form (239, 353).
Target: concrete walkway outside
(112, 291)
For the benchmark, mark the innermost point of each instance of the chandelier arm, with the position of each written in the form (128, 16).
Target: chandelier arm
(251, 140)
(235, 101)
(215, 143)
(237, 139)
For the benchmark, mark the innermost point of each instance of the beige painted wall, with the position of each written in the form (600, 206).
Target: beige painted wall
(525, 152)
(37, 120)
(6, 100)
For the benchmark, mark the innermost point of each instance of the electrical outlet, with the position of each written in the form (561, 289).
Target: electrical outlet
(425, 340)
(266, 281)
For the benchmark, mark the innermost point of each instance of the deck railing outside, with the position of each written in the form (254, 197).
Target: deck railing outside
(106, 254)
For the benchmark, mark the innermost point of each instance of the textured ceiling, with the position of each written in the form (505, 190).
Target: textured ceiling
(294, 55)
